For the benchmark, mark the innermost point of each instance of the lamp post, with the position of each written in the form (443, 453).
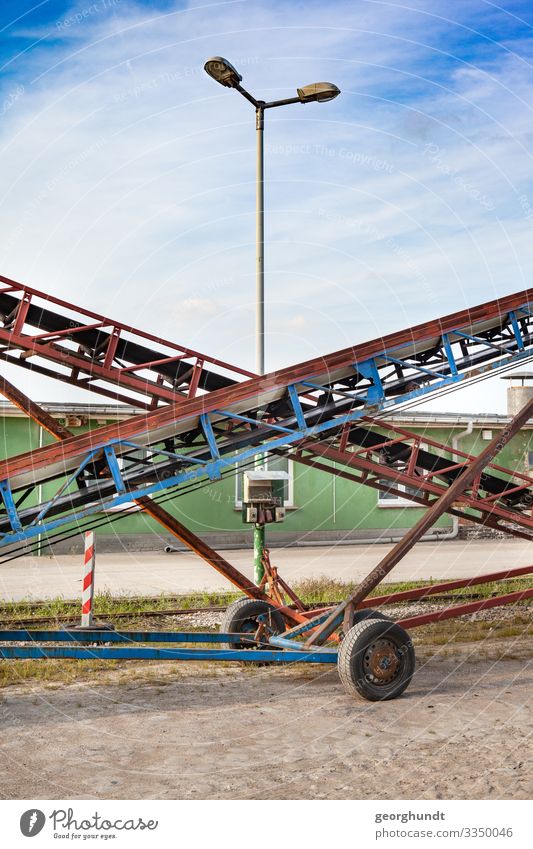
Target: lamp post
(224, 73)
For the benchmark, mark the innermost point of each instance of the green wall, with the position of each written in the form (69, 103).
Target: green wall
(323, 502)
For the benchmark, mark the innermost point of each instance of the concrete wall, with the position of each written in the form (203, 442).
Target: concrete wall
(517, 397)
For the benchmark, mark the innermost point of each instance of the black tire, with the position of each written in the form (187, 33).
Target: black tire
(367, 613)
(376, 660)
(241, 618)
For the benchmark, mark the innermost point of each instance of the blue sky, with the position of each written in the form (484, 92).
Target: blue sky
(128, 174)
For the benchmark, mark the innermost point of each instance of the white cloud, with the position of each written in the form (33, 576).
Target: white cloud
(297, 322)
(130, 174)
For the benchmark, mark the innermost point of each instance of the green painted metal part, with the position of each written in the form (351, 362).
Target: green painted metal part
(259, 548)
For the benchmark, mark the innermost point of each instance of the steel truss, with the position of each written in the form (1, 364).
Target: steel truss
(498, 498)
(100, 354)
(323, 410)
(205, 436)
(157, 512)
(470, 473)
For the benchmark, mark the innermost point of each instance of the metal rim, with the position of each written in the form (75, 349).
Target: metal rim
(382, 663)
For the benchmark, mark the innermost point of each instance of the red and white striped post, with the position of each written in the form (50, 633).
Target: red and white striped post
(88, 581)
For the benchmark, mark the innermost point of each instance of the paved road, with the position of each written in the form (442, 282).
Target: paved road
(151, 573)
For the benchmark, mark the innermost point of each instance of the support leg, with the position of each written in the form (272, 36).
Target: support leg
(387, 563)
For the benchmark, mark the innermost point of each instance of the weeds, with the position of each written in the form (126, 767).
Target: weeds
(312, 591)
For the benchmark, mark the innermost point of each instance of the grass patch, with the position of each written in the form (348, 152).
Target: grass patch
(52, 671)
(312, 591)
(324, 589)
(454, 631)
(105, 604)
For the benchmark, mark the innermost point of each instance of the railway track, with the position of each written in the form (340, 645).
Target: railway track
(130, 614)
(183, 611)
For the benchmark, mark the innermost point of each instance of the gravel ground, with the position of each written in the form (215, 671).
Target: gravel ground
(462, 730)
(212, 620)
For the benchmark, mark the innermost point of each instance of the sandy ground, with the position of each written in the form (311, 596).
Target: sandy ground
(462, 730)
(152, 573)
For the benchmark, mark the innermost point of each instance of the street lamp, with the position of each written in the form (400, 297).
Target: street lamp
(224, 73)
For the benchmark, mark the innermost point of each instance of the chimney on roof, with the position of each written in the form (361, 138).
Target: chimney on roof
(519, 391)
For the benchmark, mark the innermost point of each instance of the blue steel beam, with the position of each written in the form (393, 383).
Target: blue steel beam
(77, 636)
(126, 649)
(142, 653)
(442, 368)
(212, 469)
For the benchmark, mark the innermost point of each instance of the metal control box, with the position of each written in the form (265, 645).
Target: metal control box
(263, 496)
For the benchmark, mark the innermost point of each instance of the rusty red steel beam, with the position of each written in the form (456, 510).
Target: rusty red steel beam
(28, 293)
(33, 410)
(50, 351)
(441, 325)
(81, 368)
(423, 439)
(393, 557)
(248, 389)
(444, 586)
(80, 383)
(490, 515)
(350, 458)
(42, 418)
(436, 327)
(431, 589)
(465, 609)
(201, 548)
(212, 557)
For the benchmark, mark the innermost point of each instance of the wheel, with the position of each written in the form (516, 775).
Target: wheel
(376, 660)
(362, 616)
(367, 613)
(241, 618)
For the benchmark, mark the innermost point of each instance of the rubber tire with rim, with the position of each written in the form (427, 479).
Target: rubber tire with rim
(367, 613)
(241, 617)
(353, 654)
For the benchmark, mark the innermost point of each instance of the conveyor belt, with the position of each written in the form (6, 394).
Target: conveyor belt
(101, 354)
(203, 436)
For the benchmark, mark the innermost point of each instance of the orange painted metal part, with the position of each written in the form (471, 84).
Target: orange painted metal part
(44, 345)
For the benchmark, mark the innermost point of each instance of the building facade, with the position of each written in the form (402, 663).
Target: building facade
(319, 506)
